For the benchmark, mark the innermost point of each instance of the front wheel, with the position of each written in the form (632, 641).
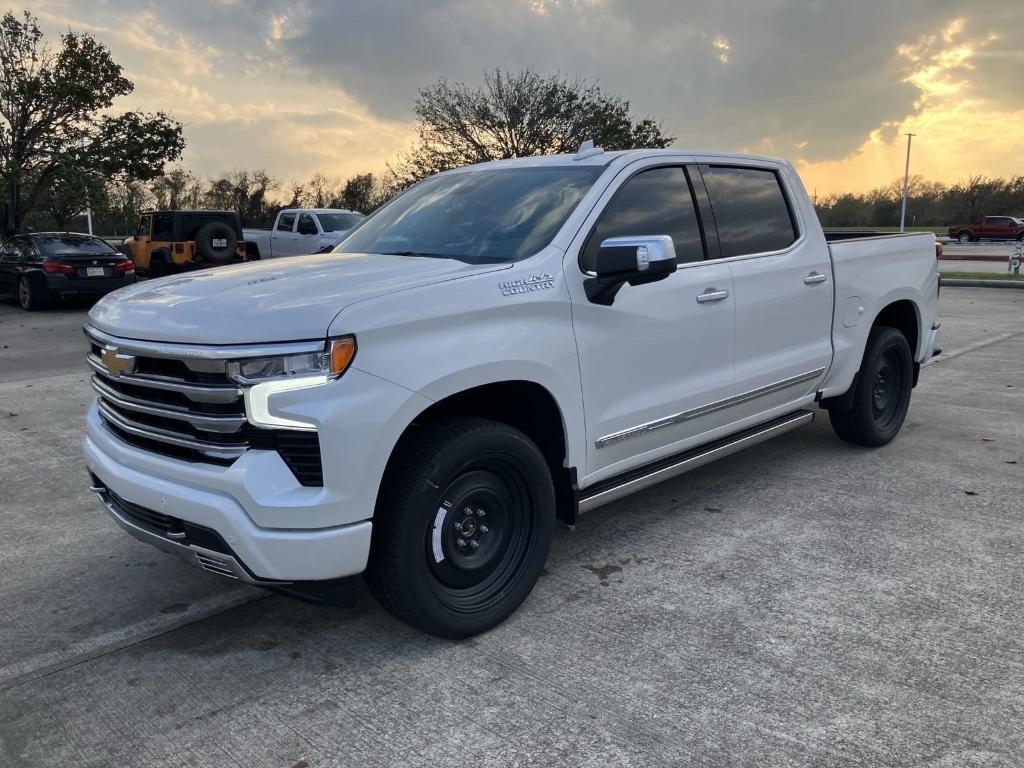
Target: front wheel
(28, 296)
(462, 527)
(964, 237)
(882, 395)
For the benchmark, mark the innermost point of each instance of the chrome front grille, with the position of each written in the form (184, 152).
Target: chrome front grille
(176, 403)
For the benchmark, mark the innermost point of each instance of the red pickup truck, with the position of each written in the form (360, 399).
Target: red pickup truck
(990, 228)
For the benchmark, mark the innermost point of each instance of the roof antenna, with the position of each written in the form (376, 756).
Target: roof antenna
(587, 149)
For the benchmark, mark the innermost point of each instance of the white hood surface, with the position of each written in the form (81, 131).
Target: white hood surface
(265, 301)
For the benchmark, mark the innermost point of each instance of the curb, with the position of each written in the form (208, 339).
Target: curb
(971, 257)
(955, 282)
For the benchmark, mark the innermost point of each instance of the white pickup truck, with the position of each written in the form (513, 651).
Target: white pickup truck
(500, 347)
(299, 231)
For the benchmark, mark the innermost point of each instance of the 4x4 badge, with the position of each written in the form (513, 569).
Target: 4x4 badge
(535, 282)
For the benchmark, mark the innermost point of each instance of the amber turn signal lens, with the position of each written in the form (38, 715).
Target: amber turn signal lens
(341, 352)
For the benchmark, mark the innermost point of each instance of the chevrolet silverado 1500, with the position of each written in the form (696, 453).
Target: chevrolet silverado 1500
(500, 347)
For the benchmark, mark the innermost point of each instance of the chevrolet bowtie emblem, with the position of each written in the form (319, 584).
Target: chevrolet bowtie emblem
(116, 363)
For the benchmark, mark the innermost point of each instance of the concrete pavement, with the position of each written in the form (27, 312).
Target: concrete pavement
(804, 602)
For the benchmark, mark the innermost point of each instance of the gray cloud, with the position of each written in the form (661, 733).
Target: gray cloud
(729, 74)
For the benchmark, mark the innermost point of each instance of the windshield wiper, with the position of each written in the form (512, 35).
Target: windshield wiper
(424, 254)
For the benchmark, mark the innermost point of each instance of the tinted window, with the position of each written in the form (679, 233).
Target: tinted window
(479, 216)
(306, 225)
(750, 210)
(286, 222)
(162, 225)
(654, 202)
(69, 245)
(143, 226)
(339, 222)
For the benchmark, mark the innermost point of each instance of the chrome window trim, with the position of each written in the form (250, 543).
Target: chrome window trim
(185, 352)
(704, 410)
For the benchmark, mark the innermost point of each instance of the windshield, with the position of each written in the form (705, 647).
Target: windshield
(479, 217)
(66, 245)
(339, 222)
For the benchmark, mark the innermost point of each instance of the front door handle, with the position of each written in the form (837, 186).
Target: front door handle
(711, 295)
(815, 277)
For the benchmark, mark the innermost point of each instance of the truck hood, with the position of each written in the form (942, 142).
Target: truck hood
(279, 300)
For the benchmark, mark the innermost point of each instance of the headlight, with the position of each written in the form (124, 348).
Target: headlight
(329, 364)
(262, 377)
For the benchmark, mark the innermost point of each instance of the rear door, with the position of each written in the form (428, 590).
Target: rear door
(782, 280)
(284, 239)
(653, 360)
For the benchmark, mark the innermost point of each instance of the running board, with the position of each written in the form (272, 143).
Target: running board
(635, 480)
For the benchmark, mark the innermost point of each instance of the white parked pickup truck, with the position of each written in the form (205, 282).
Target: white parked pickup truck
(298, 231)
(500, 347)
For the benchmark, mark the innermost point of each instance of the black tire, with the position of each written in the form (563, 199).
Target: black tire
(964, 236)
(158, 267)
(28, 295)
(431, 499)
(882, 394)
(226, 242)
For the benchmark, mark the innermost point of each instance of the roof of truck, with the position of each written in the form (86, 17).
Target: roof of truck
(318, 210)
(606, 158)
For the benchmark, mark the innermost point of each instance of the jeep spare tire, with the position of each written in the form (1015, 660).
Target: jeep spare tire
(216, 241)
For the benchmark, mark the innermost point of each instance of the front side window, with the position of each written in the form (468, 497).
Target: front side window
(654, 202)
(286, 222)
(479, 216)
(143, 227)
(750, 210)
(306, 225)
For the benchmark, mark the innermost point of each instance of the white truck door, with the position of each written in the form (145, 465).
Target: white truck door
(782, 279)
(661, 353)
(284, 238)
(308, 234)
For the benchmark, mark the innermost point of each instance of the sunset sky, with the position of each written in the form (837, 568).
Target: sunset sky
(307, 86)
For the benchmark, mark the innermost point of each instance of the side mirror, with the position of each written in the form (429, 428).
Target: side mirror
(633, 260)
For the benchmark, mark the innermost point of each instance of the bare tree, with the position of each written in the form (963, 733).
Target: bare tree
(516, 115)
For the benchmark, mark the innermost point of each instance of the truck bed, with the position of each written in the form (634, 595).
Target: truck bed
(869, 273)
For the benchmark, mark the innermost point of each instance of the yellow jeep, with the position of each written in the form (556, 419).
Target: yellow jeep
(176, 241)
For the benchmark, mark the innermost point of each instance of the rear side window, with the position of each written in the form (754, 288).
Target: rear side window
(750, 209)
(163, 224)
(286, 222)
(654, 202)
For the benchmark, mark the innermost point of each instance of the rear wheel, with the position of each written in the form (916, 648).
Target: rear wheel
(964, 237)
(462, 527)
(28, 295)
(158, 267)
(882, 394)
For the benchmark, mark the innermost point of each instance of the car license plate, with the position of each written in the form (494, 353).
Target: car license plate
(95, 272)
(219, 242)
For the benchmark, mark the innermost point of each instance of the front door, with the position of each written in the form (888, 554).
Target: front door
(653, 360)
(308, 234)
(286, 241)
(782, 279)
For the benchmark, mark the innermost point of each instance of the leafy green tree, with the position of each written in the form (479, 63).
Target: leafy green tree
(247, 192)
(70, 192)
(516, 115)
(53, 116)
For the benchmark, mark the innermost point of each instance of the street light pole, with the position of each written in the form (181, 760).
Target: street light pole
(906, 183)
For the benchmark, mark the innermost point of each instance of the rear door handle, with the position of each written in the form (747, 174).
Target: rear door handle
(711, 295)
(815, 277)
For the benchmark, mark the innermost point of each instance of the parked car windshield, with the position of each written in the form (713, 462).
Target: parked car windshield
(496, 215)
(64, 245)
(339, 222)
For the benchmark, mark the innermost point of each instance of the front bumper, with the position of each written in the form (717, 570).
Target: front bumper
(170, 487)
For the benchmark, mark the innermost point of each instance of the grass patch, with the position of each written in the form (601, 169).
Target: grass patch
(981, 275)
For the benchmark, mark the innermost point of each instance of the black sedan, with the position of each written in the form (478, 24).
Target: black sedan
(43, 266)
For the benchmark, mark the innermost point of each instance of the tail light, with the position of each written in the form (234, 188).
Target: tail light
(57, 267)
(125, 266)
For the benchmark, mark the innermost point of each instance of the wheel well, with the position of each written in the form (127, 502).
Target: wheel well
(528, 407)
(901, 315)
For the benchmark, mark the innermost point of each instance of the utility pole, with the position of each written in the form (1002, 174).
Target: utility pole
(906, 183)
